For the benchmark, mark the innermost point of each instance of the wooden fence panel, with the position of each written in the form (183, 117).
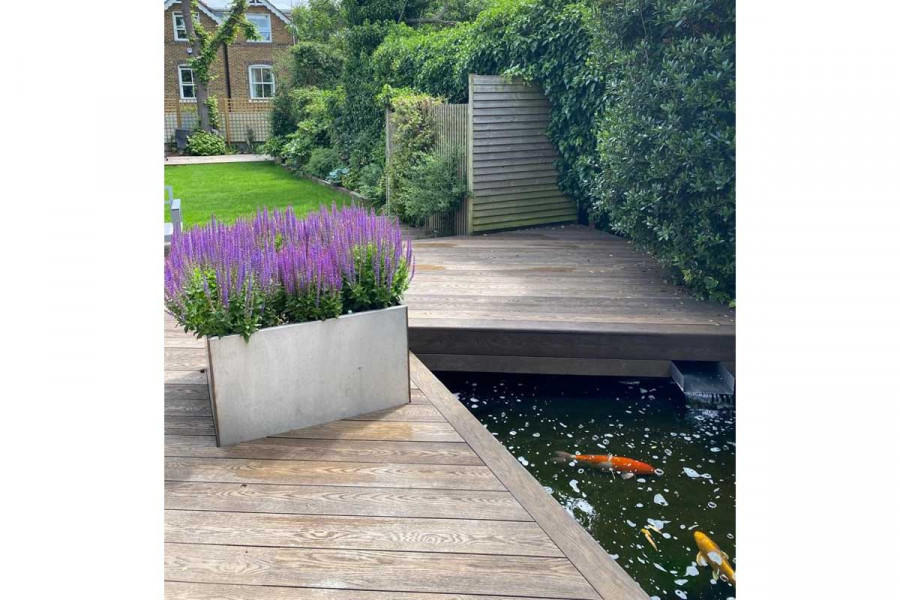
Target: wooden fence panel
(512, 178)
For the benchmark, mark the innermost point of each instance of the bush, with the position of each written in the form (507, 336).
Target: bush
(322, 161)
(202, 143)
(315, 64)
(236, 279)
(433, 187)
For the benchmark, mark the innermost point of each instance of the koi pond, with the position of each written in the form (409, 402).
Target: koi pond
(666, 529)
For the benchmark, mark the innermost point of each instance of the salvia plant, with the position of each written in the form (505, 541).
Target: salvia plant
(277, 269)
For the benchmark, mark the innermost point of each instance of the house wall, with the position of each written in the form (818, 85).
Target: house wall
(242, 54)
(175, 53)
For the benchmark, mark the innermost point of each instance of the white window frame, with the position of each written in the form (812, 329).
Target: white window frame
(250, 81)
(269, 19)
(175, 15)
(181, 83)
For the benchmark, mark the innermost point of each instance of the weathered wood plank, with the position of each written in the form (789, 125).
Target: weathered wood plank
(409, 413)
(187, 407)
(185, 425)
(187, 391)
(544, 365)
(344, 500)
(358, 533)
(184, 377)
(201, 591)
(378, 430)
(354, 474)
(550, 189)
(376, 570)
(439, 453)
(604, 574)
(551, 214)
(185, 359)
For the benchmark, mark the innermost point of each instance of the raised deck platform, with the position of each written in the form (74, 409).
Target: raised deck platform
(414, 503)
(566, 300)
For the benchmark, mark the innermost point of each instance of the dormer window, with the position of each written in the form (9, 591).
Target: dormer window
(263, 25)
(178, 25)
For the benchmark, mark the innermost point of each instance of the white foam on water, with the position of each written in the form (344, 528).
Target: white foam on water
(574, 485)
(690, 472)
(658, 499)
(692, 571)
(681, 594)
(523, 461)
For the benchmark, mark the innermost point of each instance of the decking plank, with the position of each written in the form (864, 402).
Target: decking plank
(359, 533)
(356, 474)
(344, 500)
(176, 590)
(441, 453)
(377, 570)
(378, 430)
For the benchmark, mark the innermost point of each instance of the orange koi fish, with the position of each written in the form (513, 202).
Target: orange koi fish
(608, 462)
(710, 554)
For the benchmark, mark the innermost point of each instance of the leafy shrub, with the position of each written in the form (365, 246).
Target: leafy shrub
(322, 161)
(202, 143)
(315, 64)
(433, 186)
(276, 269)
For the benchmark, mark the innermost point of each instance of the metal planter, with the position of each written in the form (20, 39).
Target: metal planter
(296, 376)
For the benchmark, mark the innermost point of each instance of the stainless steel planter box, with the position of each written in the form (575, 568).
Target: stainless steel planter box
(295, 376)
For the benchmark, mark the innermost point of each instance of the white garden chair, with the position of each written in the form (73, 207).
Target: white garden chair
(174, 205)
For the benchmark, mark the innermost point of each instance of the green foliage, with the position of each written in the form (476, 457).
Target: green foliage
(203, 143)
(368, 292)
(207, 44)
(315, 64)
(322, 161)
(373, 11)
(310, 108)
(215, 119)
(432, 187)
(319, 21)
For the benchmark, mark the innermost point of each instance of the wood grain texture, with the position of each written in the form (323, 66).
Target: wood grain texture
(604, 574)
(376, 570)
(356, 474)
(185, 425)
(344, 500)
(406, 534)
(202, 591)
(378, 430)
(441, 453)
(411, 413)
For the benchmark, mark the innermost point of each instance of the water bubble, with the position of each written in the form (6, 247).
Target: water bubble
(658, 499)
(711, 504)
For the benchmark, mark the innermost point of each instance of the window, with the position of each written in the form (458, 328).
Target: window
(178, 25)
(263, 25)
(186, 83)
(262, 82)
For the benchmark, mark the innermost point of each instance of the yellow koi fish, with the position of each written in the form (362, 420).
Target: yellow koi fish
(711, 555)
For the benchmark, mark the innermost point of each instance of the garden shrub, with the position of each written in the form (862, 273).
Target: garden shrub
(322, 161)
(433, 187)
(202, 143)
(315, 64)
(277, 269)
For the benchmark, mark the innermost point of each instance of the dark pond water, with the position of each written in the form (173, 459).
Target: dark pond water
(646, 420)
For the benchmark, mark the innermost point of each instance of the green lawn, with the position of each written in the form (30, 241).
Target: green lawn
(231, 190)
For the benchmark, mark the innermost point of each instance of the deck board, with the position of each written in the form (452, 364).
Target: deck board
(572, 294)
(399, 504)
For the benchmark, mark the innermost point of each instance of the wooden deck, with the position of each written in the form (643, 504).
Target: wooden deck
(414, 503)
(556, 300)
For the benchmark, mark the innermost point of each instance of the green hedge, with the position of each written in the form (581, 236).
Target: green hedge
(642, 111)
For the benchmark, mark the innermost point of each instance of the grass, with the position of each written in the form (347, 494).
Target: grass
(231, 190)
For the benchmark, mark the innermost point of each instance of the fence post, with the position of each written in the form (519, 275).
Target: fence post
(177, 114)
(470, 179)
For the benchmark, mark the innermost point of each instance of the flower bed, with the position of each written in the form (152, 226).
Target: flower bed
(277, 269)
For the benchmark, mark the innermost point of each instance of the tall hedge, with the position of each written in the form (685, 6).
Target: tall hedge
(642, 111)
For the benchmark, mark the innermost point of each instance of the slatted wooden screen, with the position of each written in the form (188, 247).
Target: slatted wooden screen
(451, 128)
(512, 178)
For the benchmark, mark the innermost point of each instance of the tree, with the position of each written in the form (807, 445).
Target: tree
(205, 47)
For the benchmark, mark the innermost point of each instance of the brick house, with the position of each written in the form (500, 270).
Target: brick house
(243, 76)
